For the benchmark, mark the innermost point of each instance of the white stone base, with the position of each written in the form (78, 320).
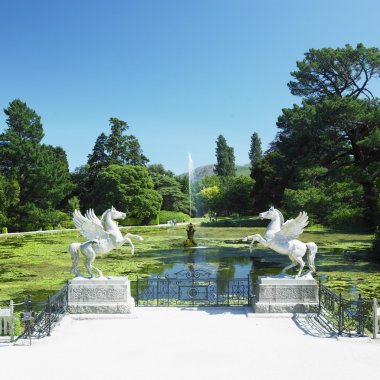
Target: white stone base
(299, 308)
(286, 295)
(107, 295)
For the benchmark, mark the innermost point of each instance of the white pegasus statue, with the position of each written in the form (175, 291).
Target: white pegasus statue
(103, 234)
(281, 237)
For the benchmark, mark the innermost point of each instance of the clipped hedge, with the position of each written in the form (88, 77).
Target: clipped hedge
(132, 221)
(165, 216)
(236, 223)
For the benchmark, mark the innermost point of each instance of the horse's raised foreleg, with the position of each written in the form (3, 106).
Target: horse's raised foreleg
(129, 241)
(255, 238)
(135, 236)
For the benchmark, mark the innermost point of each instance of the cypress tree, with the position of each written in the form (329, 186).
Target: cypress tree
(225, 158)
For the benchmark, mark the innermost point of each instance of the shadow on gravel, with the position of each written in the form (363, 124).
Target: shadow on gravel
(312, 327)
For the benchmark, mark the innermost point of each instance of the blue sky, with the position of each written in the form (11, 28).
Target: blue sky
(179, 72)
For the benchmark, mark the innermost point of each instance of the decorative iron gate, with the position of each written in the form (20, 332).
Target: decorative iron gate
(192, 288)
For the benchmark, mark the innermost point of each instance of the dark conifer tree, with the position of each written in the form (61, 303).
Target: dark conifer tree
(225, 158)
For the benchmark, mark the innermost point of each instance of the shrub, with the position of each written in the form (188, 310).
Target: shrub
(346, 217)
(35, 218)
(235, 223)
(165, 216)
(4, 230)
(131, 221)
(67, 224)
(376, 242)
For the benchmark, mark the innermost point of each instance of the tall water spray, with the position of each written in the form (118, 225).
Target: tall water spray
(191, 173)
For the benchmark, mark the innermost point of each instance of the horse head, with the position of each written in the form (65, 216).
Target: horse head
(272, 214)
(116, 214)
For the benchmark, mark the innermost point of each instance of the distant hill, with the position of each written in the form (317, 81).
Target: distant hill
(205, 170)
(243, 170)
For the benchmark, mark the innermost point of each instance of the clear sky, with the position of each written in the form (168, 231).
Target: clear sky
(179, 72)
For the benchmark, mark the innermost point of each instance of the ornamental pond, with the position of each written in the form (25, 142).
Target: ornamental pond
(40, 264)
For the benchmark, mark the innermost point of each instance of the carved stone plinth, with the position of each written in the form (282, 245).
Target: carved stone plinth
(286, 295)
(100, 296)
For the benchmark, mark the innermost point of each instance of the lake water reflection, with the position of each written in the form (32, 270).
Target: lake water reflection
(347, 272)
(221, 262)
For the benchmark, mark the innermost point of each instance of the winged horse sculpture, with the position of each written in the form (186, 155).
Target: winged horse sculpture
(281, 237)
(103, 236)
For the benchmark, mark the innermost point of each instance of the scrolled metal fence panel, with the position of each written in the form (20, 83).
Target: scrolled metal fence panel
(192, 288)
(347, 317)
(47, 314)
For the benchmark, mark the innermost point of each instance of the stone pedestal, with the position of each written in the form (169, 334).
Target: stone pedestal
(100, 296)
(286, 295)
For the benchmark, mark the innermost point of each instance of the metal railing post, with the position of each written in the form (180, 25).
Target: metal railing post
(67, 294)
(157, 299)
(340, 315)
(248, 289)
(361, 315)
(28, 306)
(319, 296)
(26, 310)
(137, 291)
(375, 319)
(217, 291)
(228, 292)
(49, 315)
(168, 291)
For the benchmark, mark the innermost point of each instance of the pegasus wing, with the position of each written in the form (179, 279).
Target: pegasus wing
(90, 214)
(89, 225)
(293, 228)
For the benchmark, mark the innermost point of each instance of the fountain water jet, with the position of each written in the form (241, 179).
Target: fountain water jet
(191, 173)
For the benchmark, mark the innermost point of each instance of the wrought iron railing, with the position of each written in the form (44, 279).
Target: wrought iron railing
(192, 288)
(46, 314)
(347, 317)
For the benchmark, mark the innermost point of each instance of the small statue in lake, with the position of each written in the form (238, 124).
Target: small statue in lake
(281, 237)
(104, 235)
(190, 242)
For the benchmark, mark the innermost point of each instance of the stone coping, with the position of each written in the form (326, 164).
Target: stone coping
(286, 280)
(99, 281)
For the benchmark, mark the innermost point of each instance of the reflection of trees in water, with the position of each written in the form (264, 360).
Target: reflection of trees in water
(223, 263)
(224, 274)
(190, 259)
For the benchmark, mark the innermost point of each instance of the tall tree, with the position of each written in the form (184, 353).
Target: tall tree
(98, 159)
(19, 140)
(41, 171)
(122, 148)
(331, 142)
(255, 152)
(170, 188)
(49, 179)
(128, 188)
(9, 197)
(225, 158)
(336, 72)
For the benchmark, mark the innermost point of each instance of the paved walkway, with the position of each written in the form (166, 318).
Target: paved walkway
(213, 343)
